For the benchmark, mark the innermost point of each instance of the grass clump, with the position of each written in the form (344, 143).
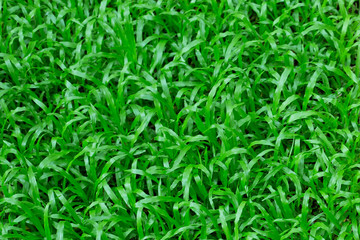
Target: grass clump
(179, 119)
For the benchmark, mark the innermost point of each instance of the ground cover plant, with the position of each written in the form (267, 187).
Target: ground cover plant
(198, 119)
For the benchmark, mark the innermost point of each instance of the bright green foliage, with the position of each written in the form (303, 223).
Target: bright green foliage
(198, 119)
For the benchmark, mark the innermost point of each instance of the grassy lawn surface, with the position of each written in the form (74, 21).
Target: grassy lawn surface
(170, 119)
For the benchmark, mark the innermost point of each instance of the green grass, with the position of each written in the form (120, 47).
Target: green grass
(198, 119)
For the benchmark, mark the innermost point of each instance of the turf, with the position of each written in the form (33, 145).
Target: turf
(179, 119)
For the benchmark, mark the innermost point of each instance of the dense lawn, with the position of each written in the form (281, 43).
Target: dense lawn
(179, 119)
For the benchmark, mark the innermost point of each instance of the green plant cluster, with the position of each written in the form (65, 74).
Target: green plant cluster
(198, 119)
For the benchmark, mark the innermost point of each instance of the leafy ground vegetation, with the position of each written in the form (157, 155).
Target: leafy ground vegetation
(179, 119)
